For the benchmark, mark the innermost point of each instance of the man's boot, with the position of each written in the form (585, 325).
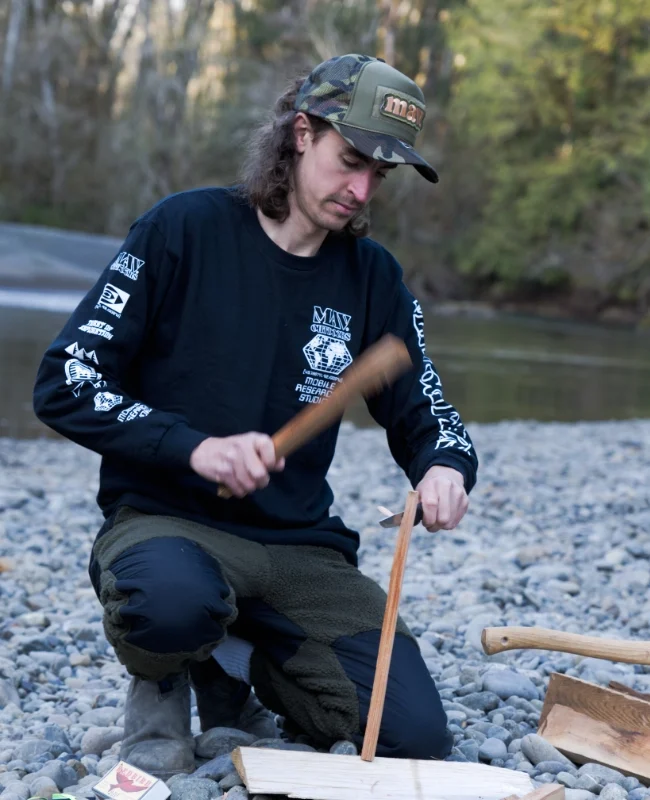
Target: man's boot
(157, 727)
(225, 702)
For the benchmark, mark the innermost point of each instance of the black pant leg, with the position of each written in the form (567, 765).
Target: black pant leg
(166, 604)
(316, 634)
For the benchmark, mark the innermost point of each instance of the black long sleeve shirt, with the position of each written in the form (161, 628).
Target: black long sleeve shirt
(202, 326)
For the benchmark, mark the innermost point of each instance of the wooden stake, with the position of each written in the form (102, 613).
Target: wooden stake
(388, 630)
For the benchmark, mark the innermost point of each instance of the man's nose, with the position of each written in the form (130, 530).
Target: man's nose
(362, 186)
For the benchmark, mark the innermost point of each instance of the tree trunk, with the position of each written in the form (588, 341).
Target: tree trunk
(16, 15)
(389, 21)
(49, 110)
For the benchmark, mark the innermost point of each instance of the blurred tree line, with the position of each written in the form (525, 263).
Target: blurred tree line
(538, 122)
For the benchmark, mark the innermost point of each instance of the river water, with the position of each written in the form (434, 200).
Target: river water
(502, 368)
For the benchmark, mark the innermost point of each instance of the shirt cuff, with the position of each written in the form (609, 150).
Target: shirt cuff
(419, 470)
(178, 444)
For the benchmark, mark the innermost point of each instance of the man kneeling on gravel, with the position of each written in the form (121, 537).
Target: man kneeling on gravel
(227, 310)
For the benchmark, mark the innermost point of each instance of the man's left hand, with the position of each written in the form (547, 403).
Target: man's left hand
(443, 497)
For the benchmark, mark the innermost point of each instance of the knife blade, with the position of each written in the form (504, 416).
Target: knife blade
(396, 519)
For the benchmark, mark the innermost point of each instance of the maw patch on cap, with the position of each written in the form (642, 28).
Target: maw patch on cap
(396, 105)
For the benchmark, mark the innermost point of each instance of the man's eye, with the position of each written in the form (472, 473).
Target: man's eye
(350, 163)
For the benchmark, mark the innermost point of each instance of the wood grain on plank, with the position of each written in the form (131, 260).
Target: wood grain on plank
(324, 776)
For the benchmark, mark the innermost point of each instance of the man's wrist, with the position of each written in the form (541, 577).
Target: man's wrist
(449, 472)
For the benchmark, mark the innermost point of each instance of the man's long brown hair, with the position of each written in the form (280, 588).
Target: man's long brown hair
(266, 175)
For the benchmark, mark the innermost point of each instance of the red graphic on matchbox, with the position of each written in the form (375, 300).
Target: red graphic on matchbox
(125, 782)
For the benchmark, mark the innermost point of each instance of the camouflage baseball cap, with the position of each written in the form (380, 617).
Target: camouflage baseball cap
(376, 108)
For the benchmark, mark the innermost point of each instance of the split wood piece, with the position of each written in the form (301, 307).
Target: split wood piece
(324, 776)
(375, 369)
(387, 638)
(621, 687)
(497, 640)
(552, 791)
(589, 723)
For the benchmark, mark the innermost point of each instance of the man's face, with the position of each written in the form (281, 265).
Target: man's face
(333, 181)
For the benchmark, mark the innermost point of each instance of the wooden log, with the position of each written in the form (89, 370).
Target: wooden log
(588, 723)
(324, 776)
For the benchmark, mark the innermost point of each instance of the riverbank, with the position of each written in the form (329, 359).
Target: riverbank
(39, 259)
(557, 536)
(562, 309)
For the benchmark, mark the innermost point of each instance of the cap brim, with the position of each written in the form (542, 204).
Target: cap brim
(383, 147)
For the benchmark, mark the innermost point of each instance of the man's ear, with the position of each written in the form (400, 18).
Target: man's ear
(302, 132)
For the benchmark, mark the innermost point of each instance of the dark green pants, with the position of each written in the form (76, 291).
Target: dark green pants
(172, 588)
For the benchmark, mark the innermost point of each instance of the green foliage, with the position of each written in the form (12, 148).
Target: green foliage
(538, 113)
(554, 98)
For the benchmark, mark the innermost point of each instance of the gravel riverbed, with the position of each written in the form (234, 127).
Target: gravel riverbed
(558, 535)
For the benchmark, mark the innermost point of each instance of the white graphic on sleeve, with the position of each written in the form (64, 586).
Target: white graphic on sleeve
(79, 352)
(327, 354)
(104, 401)
(78, 374)
(128, 265)
(97, 328)
(452, 432)
(113, 300)
(136, 410)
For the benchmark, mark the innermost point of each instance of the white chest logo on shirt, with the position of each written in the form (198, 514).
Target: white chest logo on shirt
(327, 354)
(113, 300)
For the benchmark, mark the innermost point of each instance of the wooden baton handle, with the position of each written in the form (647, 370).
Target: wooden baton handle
(376, 368)
(387, 637)
(496, 640)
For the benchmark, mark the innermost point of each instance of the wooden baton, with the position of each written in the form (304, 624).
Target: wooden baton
(377, 367)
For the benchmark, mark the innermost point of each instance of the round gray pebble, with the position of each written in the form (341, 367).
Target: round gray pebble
(344, 748)
(491, 749)
(612, 791)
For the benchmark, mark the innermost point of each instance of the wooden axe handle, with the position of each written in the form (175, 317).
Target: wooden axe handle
(375, 368)
(496, 640)
(387, 638)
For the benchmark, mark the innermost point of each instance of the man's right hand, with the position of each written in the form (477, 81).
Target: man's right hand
(242, 462)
